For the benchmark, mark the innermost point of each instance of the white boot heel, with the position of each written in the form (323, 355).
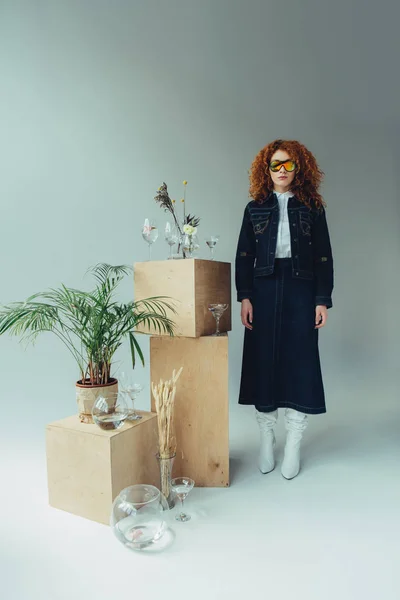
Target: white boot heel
(296, 423)
(266, 458)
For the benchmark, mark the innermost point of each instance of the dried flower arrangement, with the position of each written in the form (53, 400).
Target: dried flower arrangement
(164, 395)
(189, 222)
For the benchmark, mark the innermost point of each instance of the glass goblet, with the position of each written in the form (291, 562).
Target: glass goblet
(150, 233)
(211, 242)
(217, 310)
(182, 486)
(131, 390)
(172, 237)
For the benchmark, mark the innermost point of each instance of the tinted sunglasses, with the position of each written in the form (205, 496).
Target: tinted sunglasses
(276, 165)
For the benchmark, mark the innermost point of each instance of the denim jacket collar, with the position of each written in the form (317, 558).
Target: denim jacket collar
(272, 200)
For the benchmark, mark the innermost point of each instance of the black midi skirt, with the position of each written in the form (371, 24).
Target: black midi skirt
(281, 364)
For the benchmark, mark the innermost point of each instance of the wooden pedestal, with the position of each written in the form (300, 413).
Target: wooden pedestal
(201, 404)
(192, 284)
(87, 467)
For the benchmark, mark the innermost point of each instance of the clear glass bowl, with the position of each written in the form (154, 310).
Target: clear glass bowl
(138, 516)
(110, 411)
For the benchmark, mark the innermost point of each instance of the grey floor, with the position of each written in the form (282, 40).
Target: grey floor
(331, 533)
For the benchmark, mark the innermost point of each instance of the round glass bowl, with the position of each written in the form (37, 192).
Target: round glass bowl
(110, 411)
(138, 516)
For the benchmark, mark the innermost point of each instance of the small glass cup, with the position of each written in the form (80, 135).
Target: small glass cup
(211, 242)
(182, 486)
(110, 411)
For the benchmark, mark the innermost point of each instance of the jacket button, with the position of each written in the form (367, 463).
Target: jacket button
(297, 256)
(297, 272)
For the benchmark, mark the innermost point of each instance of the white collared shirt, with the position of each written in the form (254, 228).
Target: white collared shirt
(283, 247)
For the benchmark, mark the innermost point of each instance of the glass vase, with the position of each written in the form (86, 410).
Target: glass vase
(180, 253)
(166, 465)
(190, 245)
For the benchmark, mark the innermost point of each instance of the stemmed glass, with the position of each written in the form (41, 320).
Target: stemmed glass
(150, 233)
(182, 486)
(217, 310)
(131, 390)
(171, 235)
(211, 242)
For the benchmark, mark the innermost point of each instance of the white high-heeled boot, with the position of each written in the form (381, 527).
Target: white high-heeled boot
(267, 422)
(296, 423)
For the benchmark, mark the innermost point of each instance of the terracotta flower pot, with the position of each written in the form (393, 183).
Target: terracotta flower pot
(86, 396)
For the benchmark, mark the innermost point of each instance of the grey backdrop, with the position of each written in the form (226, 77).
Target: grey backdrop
(102, 101)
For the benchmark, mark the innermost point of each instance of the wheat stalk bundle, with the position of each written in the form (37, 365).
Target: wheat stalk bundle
(164, 395)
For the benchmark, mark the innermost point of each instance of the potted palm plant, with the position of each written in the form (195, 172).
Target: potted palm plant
(92, 325)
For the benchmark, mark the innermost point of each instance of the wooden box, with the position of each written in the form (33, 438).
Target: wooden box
(87, 467)
(192, 284)
(201, 404)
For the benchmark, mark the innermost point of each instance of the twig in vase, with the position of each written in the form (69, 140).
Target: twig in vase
(163, 199)
(184, 201)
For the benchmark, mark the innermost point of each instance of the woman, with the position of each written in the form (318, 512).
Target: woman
(284, 281)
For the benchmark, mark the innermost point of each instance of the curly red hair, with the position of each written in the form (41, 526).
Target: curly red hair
(307, 180)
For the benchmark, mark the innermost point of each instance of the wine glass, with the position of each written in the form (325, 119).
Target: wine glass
(110, 411)
(211, 242)
(172, 237)
(182, 486)
(150, 233)
(131, 390)
(217, 310)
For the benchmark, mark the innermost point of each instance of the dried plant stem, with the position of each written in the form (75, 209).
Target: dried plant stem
(165, 477)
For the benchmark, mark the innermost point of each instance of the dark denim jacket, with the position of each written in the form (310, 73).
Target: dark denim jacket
(310, 246)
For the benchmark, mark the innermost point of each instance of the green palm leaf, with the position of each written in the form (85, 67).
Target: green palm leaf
(91, 324)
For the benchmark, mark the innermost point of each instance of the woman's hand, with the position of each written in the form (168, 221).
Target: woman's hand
(321, 316)
(246, 313)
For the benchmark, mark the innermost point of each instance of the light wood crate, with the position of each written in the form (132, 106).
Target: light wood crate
(87, 467)
(201, 404)
(192, 284)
